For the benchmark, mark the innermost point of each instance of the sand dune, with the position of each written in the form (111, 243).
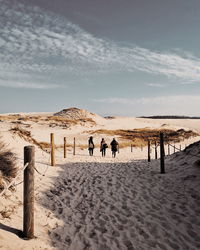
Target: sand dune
(104, 203)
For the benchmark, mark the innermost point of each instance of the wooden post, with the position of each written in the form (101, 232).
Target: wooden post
(28, 217)
(156, 153)
(162, 154)
(149, 151)
(131, 148)
(52, 150)
(65, 152)
(180, 147)
(74, 150)
(168, 149)
(174, 148)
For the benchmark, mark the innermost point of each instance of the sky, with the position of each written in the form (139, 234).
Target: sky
(111, 57)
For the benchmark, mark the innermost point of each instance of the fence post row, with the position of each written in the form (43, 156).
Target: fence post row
(149, 151)
(65, 152)
(162, 154)
(28, 212)
(52, 150)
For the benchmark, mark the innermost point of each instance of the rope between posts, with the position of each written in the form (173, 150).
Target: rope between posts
(180, 151)
(174, 146)
(12, 182)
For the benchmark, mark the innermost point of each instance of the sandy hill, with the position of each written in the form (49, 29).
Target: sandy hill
(77, 114)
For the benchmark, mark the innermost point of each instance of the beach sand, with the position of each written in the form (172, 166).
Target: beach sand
(106, 203)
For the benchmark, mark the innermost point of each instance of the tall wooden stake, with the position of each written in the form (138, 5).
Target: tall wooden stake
(74, 150)
(28, 212)
(156, 153)
(65, 145)
(162, 154)
(52, 150)
(149, 151)
(131, 148)
(168, 149)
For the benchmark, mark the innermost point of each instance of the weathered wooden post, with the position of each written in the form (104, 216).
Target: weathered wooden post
(168, 149)
(28, 212)
(149, 151)
(52, 150)
(131, 148)
(162, 154)
(180, 147)
(65, 151)
(74, 150)
(156, 153)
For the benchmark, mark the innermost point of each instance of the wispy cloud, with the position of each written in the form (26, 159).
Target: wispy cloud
(154, 105)
(150, 100)
(36, 42)
(29, 85)
(156, 85)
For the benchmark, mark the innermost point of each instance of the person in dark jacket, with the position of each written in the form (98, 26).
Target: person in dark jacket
(114, 147)
(91, 146)
(103, 147)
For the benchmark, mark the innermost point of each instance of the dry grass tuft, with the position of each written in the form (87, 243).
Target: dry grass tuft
(66, 122)
(26, 135)
(8, 169)
(139, 137)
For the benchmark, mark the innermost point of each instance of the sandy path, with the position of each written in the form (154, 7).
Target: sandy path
(122, 206)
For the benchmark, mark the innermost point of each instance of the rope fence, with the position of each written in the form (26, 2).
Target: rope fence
(13, 181)
(29, 168)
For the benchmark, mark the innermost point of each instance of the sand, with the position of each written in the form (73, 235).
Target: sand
(104, 203)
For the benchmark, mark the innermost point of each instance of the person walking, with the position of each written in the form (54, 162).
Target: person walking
(91, 146)
(114, 147)
(103, 147)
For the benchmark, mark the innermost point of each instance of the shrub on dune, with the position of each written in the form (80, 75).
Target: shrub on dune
(8, 169)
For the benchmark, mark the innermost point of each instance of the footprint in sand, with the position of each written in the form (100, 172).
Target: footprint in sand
(68, 240)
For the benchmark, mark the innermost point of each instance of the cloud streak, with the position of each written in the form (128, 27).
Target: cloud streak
(37, 42)
(29, 85)
(150, 100)
(154, 105)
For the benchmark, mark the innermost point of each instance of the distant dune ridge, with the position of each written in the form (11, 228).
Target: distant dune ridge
(76, 114)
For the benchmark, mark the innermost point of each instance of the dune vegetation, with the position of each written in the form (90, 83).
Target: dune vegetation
(8, 169)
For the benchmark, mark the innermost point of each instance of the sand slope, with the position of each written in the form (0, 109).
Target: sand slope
(94, 203)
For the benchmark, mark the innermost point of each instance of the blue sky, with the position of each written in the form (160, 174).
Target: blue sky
(112, 57)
